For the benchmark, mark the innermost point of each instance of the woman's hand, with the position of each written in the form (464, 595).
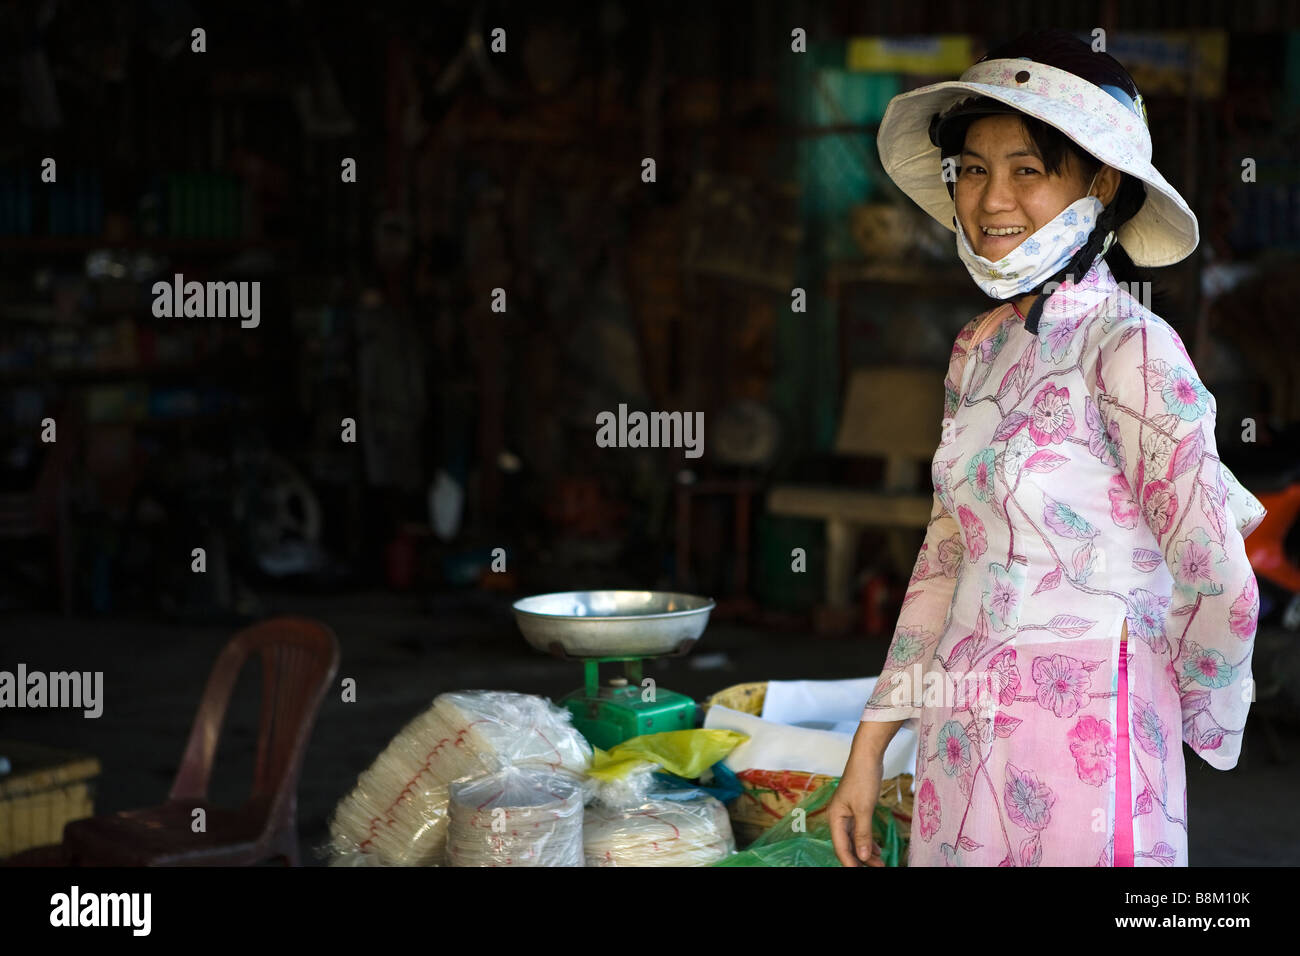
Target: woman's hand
(850, 811)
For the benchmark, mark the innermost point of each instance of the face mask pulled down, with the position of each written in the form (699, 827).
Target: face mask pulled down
(1041, 255)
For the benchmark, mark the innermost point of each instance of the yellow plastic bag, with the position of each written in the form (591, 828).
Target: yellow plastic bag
(686, 753)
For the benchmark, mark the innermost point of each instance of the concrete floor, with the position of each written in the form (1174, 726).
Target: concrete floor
(404, 651)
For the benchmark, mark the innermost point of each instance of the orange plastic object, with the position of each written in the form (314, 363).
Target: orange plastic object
(1266, 545)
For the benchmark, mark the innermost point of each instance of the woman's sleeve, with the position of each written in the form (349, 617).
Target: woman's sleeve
(897, 694)
(1161, 418)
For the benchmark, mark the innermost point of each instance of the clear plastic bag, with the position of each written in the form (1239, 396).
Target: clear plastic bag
(633, 821)
(398, 810)
(688, 830)
(517, 816)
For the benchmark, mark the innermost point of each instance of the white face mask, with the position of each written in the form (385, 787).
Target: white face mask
(1040, 256)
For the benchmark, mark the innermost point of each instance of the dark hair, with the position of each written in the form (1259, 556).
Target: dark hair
(1056, 149)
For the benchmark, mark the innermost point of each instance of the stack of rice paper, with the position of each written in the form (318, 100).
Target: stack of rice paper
(397, 815)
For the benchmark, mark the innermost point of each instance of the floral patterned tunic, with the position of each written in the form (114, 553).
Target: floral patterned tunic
(1079, 508)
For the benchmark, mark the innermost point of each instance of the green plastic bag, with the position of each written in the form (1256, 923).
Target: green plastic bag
(783, 845)
(799, 852)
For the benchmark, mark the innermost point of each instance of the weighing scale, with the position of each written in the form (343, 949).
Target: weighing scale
(627, 627)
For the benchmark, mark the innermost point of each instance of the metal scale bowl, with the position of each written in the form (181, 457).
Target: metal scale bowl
(601, 627)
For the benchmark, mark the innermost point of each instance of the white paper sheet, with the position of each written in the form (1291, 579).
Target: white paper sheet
(835, 701)
(776, 746)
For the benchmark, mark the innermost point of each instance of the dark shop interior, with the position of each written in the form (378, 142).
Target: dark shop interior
(352, 355)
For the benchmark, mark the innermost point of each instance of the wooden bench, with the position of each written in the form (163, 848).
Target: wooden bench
(46, 789)
(891, 413)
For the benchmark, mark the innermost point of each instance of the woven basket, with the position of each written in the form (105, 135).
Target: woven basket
(771, 794)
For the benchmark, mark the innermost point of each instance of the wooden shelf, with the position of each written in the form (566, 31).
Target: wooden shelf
(204, 371)
(161, 423)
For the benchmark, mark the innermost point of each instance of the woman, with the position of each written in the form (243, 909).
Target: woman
(1082, 598)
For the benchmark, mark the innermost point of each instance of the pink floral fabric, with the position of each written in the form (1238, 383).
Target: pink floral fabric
(1077, 487)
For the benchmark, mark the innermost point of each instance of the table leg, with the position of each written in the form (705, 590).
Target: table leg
(841, 545)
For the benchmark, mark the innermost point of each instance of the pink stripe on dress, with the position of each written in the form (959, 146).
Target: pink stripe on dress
(1123, 787)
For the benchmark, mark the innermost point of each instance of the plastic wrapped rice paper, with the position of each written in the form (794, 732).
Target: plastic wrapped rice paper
(690, 828)
(518, 816)
(397, 813)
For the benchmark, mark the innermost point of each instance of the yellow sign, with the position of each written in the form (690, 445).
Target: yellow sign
(1160, 63)
(927, 55)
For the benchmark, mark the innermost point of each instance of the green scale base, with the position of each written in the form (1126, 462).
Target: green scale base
(622, 709)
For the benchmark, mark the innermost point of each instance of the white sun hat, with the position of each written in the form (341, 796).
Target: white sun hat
(1056, 77)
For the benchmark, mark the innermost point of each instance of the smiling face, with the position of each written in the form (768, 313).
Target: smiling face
(1003, 185)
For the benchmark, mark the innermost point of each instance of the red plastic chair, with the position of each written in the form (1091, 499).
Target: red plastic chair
(299, 660)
